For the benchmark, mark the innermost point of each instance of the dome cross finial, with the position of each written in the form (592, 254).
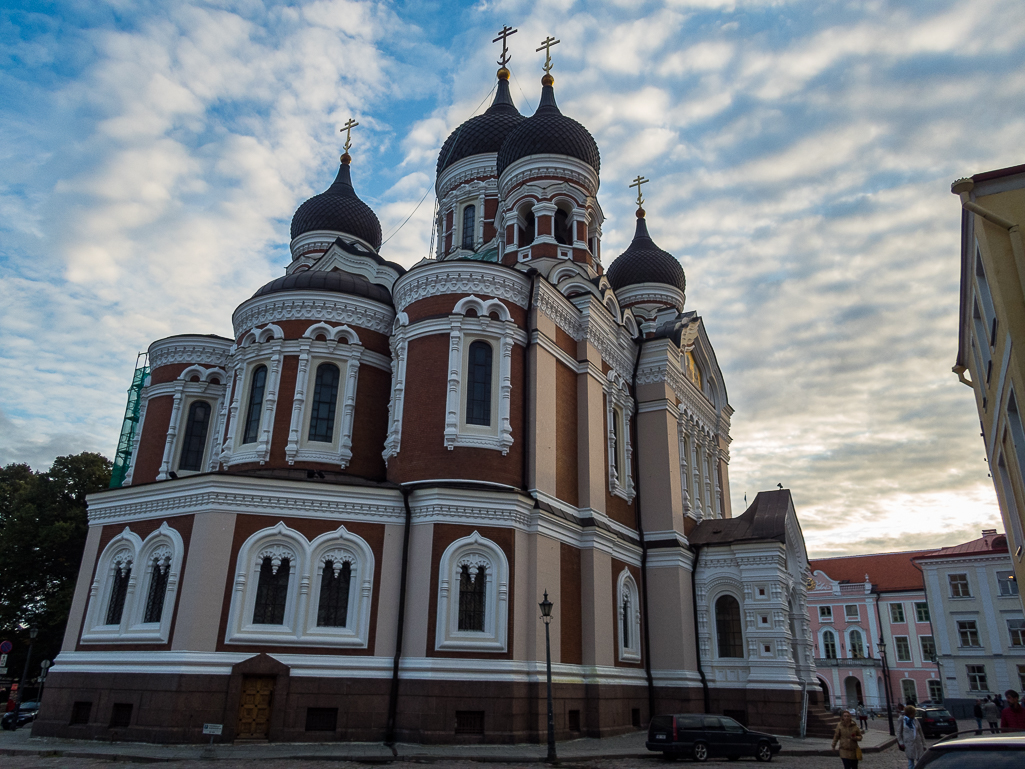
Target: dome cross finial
(546, 46)
(637, 183)
(348, 136)
(504, 37)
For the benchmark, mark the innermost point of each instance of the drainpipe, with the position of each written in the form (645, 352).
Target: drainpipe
(526, 384)
(694, 598)
(393, 694)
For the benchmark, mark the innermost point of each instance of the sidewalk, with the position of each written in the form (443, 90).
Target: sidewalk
(625, 746)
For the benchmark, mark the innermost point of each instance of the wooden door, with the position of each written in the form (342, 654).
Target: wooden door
(254, 708)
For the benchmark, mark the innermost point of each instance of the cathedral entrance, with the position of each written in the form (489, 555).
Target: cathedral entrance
(852, 692)
(254, 707)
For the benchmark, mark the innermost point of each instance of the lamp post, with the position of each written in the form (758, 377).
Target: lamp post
(546, 617)
(886, 685)
(939, 674)
(32, 633)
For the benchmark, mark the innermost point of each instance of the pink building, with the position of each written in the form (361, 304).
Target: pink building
(858, 601)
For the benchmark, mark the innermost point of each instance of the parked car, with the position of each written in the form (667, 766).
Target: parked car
(703, 735)
(936, 721)
(992, 751)
(26, 715)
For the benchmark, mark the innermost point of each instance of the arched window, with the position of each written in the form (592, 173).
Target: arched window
(857, 645)
(727, 627)
(160, 565)
(469, 219)
(256, 390)
(563, 235)
(333, 608)
(118, 592)
(617, 446)
(829, 645)
(272, 592)
(322, 409)
(194, 443)
(478, 389)
(526, 232)
(626, 620)
(472, 598)
(629, 617)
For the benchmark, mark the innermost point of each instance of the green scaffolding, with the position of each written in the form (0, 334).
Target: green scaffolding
(124, 443)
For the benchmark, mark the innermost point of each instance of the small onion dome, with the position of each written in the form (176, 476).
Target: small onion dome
(338, 209)
(644, 262)
(549, 132)
(335, 280)
(485, 133)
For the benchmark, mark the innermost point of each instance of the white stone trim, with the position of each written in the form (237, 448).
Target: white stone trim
(445, 277)
(184, 394)
(618, 401)
(313, 306)
(191, 349)
(550, 166)
(626, 591)
(399, 348)
(482, 552)
(652, 293)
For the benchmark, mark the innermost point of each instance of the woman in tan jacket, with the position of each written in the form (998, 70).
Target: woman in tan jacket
(848, 735)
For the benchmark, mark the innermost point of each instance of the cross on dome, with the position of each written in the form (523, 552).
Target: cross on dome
(546, 46)
(504, 37)
(637, 183)
(348, 138)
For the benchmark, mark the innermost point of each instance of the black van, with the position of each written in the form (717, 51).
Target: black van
(704, 736)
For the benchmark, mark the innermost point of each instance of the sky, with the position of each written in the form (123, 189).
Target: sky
(800, 156)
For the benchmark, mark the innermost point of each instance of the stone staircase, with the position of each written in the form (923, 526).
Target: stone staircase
(821, 723)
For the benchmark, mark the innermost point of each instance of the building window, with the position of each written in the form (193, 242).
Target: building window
(629, 616)
(851, 612)
(968, 633)
(903, 648)
(922, 611)
(619, 448)
(856, 644)
(1021, 678)
(325, 398)
(825, 614)
(119, 591)
(194, 443)
(1016, 627)
(727, 627)
(525, 227)
(909, 690)
(473, 595)
(563, 233)
(478, 385)
(160, 570)
(977, 678)
(829, 645)
(469, 220)
(897, 613)
(617, 443)
(1006, 583)
(272, 591)
(959, 586)
(935, 690)
(333, 607)
(253, 410)
(928, 647)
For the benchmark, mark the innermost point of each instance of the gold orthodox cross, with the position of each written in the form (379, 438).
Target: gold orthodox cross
(637, 183)
(546, 46)
(348, 133)
(504, 37)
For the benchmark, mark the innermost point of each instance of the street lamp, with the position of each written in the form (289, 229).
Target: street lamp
(546, 617)
(886, 685)
(32, 633)
(939, 673)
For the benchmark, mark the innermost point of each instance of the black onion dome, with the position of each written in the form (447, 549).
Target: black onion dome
(484, 133)
(644, 262)
(549, 132)
(338, 209)
(335, 280)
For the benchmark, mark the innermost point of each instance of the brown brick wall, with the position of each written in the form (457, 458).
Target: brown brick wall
(370, 423)
(294, 329)
(437, 306)
(167, 373)
(153, 439)
(566, 343)
(570, 611)
(617, 508)
(566, 475)
(283, 409)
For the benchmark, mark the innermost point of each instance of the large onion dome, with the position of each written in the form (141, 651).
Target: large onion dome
(335, 281)
(549, 132)
(644, 262)
(338, 209)
(485, 133)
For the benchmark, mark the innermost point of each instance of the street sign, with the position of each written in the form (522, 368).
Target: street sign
(3, 659)
(212, 728)
(5, 646)
(3, 671)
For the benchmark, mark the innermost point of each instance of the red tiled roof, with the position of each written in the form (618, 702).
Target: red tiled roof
(987, 543)
(889, 572)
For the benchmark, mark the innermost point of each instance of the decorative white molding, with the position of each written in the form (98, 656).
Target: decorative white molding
(185, 394)
(476, 169)
(652, 293)
(443, 277)
(619, 403)
(313, 306)
(206, 351)
(475, 551)
(548, 166)
(628, 614)
(399, 346)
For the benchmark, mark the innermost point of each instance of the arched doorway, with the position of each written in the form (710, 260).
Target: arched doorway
(825, 694)
(852, 692)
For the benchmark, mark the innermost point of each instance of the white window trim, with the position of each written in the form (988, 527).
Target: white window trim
(856, 617)
(864, 643)
(306, 564)
(476, 551)
(259, 347)
(501, 334)
(911, 653)
(185, 393)
(822, 642)
(903, 613)
(826, 617)
(950, 586)
(617, 399)
(626, 588)
(399, 346)
(129, 546)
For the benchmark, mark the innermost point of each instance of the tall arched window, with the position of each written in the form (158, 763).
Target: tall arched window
(256, 390)
(333, 609)
(157, 588)
(272, 592)
(857, 645)
(322, 409)
(829, 645)
(118, 592)
(194, 443)
(526, 232)
(626, 621)
(727, 627)
(562, 228)
(478, 389)
(469, 220)
(472, 598)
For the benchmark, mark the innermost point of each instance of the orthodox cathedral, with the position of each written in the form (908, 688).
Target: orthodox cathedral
(338, 523)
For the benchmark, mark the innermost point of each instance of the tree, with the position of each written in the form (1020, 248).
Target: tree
(43, 526)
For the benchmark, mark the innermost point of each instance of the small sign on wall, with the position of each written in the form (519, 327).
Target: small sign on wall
(213, 728)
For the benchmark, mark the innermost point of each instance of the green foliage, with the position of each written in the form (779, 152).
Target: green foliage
(43, 527)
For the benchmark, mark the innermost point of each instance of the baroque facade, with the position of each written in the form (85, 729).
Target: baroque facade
(338, 523)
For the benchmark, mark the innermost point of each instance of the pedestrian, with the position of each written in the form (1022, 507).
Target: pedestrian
(910, 738)
(848, 735)
(862, 716)
(977, 712)
(991, 713)
(1012, 719)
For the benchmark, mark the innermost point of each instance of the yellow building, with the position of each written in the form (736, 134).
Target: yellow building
(991, 344)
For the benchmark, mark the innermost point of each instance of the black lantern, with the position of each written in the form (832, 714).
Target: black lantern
(546, 617)
(546, 609)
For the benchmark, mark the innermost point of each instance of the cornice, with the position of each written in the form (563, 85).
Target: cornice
(482, 168)
(651, 292)
(450, 277)
(548, 167)
(211, 352)
(315, 306)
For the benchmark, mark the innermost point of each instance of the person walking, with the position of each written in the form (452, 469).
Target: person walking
(977, 712)
(848, 735)
(862, 716)
(991, 713)
(910, 738)
(1012, 719)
